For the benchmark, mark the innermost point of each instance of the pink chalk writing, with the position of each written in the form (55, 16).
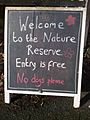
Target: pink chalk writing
(37, 81)
(70, 20)
(55, 82)
(21, 78)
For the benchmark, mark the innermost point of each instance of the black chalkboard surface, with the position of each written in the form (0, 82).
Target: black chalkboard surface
(43, 50)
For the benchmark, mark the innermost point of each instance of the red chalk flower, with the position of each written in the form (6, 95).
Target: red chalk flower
(68, 53)
(70, 20)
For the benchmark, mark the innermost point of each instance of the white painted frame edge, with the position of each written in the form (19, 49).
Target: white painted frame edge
(77, 96)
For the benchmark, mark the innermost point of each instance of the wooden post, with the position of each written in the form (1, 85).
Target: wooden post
(76, 103)
(7, 97)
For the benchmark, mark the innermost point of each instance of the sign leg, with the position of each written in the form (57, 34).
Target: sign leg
(7, 97)
(76, 101)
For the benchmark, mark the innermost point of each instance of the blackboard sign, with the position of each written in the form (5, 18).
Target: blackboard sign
(43, 49)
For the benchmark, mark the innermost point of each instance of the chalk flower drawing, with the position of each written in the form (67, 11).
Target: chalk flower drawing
(69, 53)
(70, 20)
